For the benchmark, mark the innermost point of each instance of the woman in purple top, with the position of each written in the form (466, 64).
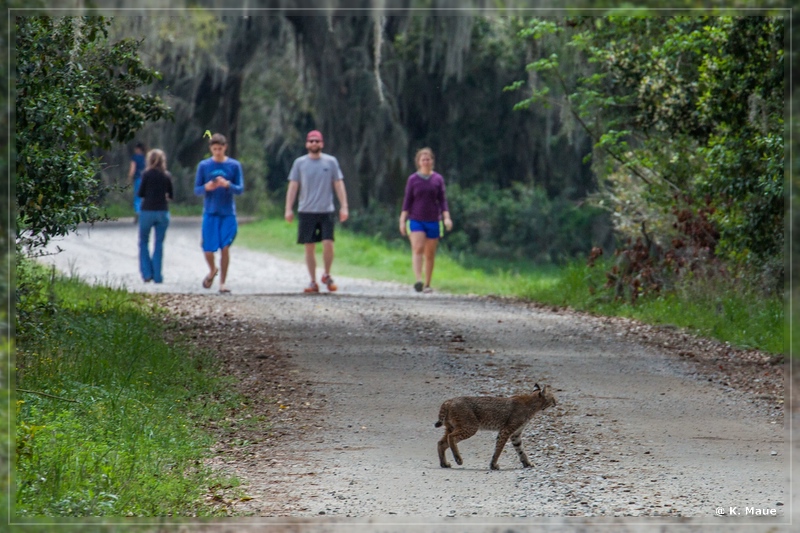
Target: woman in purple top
(424, 210)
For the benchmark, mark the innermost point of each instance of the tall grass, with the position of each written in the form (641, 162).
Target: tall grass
(729, 311)
(107, 412)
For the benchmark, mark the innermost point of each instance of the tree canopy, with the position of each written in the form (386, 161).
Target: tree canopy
(76, 93)
(690, 109)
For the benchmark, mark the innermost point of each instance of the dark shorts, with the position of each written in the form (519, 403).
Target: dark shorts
(314, 227)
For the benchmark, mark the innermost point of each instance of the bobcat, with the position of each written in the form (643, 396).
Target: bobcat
(464, 416)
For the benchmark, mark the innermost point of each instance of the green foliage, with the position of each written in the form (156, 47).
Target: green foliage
(75, 93)
(6, 437)
(690, 106)
(521, 222)
(108, 414)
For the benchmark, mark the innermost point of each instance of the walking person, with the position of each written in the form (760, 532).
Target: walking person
(135, 177)
(316, 176)
(155, 191)
(423, 213)
(218, 179)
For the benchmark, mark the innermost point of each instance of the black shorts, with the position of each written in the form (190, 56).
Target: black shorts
(314, 227)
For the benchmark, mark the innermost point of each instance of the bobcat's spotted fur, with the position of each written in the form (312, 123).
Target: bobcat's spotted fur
(464, 416)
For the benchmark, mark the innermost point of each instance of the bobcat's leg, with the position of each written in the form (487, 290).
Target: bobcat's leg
(442, 447)
(459, 435)
(502, 438)
(516, 440)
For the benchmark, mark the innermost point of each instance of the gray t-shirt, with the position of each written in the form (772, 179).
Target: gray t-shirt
(316, 177)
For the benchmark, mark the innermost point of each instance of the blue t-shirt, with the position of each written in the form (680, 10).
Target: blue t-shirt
(138, 160)
(219, 201)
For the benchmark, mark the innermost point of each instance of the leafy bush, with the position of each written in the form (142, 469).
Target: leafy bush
(376, 220)
(521, 222)
(76, 92)
(699, 116)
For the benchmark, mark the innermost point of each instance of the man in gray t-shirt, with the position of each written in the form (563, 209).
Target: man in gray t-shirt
(316, 176)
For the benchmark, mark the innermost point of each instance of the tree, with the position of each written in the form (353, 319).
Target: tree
(690, 107)
(76, 92)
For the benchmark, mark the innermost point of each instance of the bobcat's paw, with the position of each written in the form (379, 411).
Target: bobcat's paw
(459, 461)
(444, 465)
(527, 465)
(494, 466)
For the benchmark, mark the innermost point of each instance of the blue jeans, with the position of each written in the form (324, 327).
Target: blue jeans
(137, 200)
(150, 266)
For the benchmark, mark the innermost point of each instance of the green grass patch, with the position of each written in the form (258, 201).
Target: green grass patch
(107, 412)
(119, 210)
(363, 256)
(728, 311)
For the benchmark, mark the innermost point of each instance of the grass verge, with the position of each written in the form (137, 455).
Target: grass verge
(729, 312)
(117, 210)
(108, 412)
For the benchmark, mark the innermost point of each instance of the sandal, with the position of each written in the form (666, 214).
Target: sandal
(209, 280)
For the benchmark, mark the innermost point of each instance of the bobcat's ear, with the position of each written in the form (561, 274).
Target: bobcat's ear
(536, 387)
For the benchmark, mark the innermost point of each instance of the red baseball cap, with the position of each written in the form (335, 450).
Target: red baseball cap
(313, 134)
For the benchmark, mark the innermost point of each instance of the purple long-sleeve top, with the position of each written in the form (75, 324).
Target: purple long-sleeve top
(425, 199)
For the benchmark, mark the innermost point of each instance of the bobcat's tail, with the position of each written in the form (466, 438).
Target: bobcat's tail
(442, 414)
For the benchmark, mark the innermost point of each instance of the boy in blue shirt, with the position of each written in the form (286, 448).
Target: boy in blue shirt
(218, 178)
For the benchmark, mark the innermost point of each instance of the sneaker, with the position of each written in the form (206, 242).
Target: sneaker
(427, 290)
(418, 286)
(313, 287)
(328, 280)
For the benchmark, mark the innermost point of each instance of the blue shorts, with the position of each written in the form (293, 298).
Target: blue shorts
(218, 231)
(433, 230)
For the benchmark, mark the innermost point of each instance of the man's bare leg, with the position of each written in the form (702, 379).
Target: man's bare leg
(311, 260)
(327, 255)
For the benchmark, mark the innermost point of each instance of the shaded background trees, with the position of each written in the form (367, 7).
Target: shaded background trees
(380, 85)
(620, 120)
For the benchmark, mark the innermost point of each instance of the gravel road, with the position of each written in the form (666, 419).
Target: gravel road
(648, 432)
